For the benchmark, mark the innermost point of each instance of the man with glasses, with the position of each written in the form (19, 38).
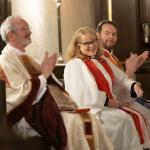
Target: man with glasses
(37, 105)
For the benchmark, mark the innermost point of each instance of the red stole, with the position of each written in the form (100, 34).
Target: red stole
(98, 75)
(103, 85)
(113, 59)
(137, 123)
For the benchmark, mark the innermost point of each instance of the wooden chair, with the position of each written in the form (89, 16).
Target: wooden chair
(3, 120)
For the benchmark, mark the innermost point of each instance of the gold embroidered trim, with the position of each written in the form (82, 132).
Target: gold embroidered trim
(3, 76)
(88, 129)
(28, 65)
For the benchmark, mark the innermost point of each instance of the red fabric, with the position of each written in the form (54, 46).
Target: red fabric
(101, 81)
(141, 115)
(43, 116)
(46, 119)
(107, 68)
(109, 56)
(113, 59)
(103, 85)
(137, 123)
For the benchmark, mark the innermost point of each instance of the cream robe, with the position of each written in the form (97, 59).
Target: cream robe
(20, 86)
(81, 85)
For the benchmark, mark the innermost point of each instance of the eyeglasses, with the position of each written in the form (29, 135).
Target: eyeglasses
(26, 28)
(88, 43)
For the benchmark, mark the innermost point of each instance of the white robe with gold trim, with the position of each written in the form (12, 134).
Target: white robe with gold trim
(18, 89)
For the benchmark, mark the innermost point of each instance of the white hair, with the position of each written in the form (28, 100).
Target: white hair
(8, 26)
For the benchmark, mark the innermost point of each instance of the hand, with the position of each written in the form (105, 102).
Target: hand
(125, 104)
(142, 58)
(138, 90)
(131, 64)
(48, 64)
(113, 102)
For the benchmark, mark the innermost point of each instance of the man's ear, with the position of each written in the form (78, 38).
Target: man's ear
(10, 35)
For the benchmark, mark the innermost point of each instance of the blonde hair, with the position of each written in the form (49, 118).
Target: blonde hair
(73, 49)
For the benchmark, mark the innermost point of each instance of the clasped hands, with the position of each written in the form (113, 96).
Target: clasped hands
(113, 102)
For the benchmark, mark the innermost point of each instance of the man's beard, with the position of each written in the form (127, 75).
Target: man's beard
(109, 47)
(27, 41)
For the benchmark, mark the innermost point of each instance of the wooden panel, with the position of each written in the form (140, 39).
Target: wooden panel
(5, 10)
(124, 13)
(101, 11)
(144, 10)
(144, 17)
(3, 122)
(2, 10)
(143, 76)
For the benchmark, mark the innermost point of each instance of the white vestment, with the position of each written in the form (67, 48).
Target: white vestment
(125, 96)
(19, 86)
(81, 85)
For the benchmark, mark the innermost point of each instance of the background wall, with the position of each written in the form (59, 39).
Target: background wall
(76, 13)
(5, 10)
(42, 16)
(129, 15)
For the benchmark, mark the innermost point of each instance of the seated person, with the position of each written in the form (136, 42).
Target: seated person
(36, 105)
(107, 32)
(92, 80)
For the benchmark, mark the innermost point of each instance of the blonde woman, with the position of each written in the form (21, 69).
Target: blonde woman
(91, 80)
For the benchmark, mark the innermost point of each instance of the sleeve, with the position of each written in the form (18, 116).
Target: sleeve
(20, 86)
(122, 84)
(42, 89)
(81, 86)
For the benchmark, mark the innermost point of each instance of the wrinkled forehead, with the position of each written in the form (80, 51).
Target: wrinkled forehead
(20, 23)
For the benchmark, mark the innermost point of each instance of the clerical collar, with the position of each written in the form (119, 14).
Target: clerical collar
(93, 57)
(17, 51)
(87, 57)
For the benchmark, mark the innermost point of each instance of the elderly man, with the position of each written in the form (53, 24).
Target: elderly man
(34, 97)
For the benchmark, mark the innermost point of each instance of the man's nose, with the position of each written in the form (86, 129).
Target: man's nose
(29, 32)
(110, 36)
